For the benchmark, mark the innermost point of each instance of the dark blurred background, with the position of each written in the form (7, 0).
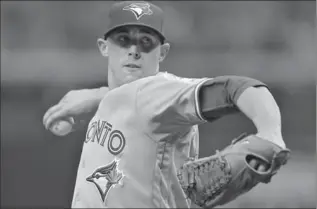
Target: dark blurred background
(49, 48)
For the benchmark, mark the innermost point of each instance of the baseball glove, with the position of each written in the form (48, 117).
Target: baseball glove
(221, 178)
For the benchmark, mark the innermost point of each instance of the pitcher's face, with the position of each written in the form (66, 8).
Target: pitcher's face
(133, 52)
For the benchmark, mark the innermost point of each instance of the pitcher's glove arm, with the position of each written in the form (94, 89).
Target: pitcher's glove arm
(221, 178)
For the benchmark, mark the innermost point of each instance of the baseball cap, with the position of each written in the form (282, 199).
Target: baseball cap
(139, 13)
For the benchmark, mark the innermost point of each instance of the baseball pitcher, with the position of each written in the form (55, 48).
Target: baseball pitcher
(141, 145)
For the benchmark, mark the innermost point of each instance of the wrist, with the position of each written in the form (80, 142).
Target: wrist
(273, 136)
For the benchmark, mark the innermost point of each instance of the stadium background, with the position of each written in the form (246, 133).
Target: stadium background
(48, 48)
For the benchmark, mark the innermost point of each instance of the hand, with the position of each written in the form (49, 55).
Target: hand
(76, 104)
(258, 164)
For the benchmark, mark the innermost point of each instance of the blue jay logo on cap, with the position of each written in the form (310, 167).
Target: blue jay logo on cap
(139, 9)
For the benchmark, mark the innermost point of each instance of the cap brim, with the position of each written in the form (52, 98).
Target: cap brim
(162, 37)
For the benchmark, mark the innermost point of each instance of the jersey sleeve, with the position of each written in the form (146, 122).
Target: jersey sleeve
(218, 97)
(170, 102)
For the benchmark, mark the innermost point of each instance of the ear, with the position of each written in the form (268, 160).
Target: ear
(164, 51)
(103, 47)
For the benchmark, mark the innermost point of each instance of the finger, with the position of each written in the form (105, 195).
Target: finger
(253, 163)
(183, 177)
(262, 168)
(199, 183)
(50, 111)
(191, 177)
(60, 113)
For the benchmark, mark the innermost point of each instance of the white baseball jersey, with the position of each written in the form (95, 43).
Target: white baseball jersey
(141, 133)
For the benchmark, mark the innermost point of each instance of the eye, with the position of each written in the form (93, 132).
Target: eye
(123, 39)
(146, 41)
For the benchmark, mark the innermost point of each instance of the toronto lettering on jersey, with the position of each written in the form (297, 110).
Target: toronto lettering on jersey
(100, 131)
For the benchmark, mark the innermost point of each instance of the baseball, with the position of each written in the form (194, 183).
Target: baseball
(62, 127)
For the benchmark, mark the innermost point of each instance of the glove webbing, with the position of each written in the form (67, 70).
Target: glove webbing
(215, 186)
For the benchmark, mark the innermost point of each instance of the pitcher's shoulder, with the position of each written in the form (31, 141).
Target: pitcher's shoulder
(172, 77)
(152, 81)
(163, 78)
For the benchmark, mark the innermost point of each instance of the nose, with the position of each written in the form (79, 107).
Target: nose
(135, 52)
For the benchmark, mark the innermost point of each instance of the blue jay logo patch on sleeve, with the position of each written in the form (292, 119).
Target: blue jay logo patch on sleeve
(106, 177)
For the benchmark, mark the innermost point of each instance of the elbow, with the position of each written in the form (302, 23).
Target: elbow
(262, 101)
(262, 93)
(258, 94)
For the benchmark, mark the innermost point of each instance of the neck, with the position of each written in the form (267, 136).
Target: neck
(111, 81)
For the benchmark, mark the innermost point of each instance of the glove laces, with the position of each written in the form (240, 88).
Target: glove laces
(221, 170)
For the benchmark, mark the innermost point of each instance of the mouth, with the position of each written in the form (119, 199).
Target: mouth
(135, 66)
